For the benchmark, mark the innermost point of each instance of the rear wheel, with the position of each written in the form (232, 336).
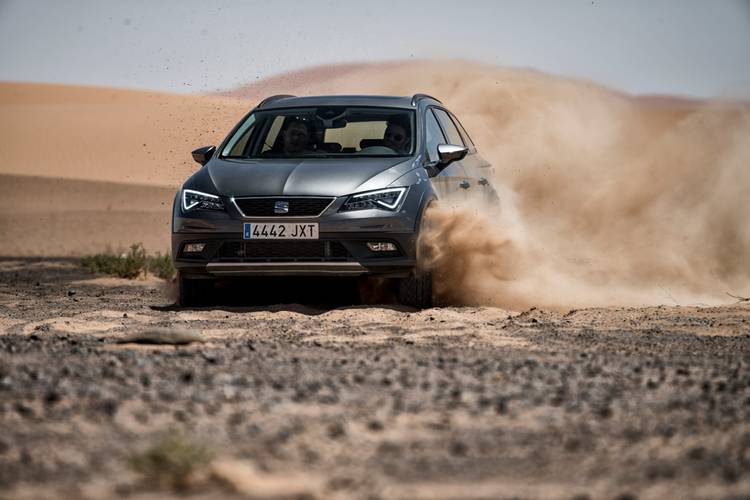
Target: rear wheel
(193, 292)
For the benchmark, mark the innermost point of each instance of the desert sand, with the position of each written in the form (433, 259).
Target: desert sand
(87, 170)
(46, 216)
(114, 135)
(586, 346)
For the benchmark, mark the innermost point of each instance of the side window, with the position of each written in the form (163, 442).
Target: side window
(448, 127)
(467, 140)
(433, 136)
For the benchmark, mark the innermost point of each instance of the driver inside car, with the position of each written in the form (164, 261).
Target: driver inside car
(296, 137)
(396, 137)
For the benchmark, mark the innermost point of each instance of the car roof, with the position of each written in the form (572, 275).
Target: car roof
(288, 101)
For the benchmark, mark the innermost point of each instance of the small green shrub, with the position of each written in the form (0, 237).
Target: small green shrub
(102, 263)
(131, 264)
(161, 265)
(171, 462)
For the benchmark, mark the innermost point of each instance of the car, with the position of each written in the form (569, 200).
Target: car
(323, 186)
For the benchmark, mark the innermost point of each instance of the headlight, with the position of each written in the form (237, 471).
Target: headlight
(385, 199)
(193, 200)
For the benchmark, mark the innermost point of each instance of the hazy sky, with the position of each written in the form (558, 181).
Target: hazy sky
(688, 47)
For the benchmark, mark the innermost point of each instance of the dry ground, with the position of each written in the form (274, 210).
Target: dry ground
(335, 401)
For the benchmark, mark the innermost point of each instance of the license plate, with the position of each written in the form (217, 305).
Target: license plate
(280, 231)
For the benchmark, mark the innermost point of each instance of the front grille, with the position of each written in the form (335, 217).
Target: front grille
(283, 251)
(298, 207)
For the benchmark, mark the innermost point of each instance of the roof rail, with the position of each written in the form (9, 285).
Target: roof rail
(417, 97)
(269, 100)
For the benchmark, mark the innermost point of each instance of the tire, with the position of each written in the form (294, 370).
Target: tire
(193, 292)
(416, 290)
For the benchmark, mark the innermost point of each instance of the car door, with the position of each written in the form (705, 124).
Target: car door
(478, 171)
(447, 182)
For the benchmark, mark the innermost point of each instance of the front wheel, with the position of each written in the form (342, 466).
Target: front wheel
(416, 290)
(193, 292)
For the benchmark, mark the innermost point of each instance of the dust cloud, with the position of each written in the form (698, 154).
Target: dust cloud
(607, 198)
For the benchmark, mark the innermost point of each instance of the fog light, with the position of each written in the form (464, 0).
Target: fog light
(194, 247)
(381, 246)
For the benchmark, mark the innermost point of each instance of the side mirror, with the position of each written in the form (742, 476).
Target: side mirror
(448, 153)
(202, 155)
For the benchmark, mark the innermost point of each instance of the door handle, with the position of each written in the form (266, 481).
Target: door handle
(482, 181)
(464, 185)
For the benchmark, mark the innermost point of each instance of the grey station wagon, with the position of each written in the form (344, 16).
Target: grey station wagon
(323, 186)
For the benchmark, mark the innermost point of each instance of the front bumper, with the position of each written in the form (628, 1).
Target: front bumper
(286, 268)
(340, 254)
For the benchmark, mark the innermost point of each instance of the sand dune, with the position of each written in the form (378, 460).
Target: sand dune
(104, 134)
(87, 169)
(64, 217)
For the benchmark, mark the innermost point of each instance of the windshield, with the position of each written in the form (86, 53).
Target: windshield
(323, 132)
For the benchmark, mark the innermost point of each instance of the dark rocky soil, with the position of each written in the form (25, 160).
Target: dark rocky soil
(367, 401)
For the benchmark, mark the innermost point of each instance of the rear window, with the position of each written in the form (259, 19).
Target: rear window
(324, 132)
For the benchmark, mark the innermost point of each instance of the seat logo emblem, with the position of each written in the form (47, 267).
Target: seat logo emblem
(281, 207)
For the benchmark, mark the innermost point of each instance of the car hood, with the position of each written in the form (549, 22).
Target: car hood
(303, 177)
